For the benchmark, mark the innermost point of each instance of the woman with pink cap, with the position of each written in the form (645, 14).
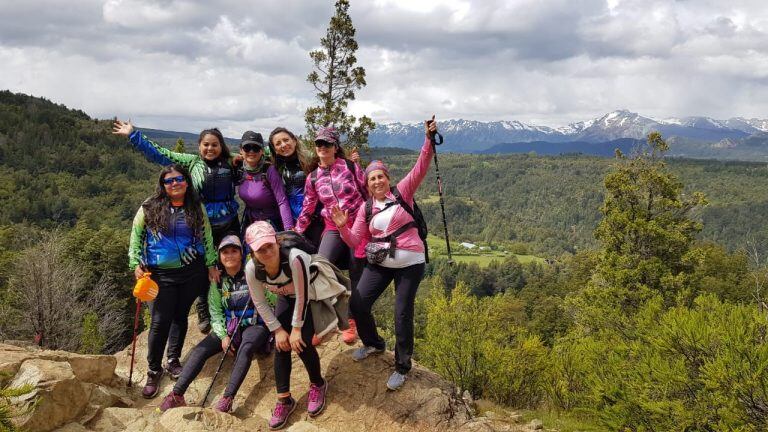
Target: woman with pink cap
(286, 274)
(390, 229)
(334, 181)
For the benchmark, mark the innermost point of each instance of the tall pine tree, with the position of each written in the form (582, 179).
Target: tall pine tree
(335, 78)
(646, 235)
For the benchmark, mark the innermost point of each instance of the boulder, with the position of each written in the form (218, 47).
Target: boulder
(89, 393)
(58, 397)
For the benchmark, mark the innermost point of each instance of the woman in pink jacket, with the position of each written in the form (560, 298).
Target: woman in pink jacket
(334, 181)
(392, 228)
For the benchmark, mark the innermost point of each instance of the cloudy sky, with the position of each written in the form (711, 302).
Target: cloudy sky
(187, 65)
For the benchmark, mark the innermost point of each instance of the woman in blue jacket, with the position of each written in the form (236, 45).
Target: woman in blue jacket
(171, 239)
(213, 176)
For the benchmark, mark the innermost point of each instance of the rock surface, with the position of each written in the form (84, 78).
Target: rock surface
(89, 393)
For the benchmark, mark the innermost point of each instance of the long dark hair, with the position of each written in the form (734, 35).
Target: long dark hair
(315, 162)
(298, 153)
(225, 153)
(157, 208)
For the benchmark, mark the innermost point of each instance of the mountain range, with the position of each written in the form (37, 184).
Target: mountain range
(735, 138)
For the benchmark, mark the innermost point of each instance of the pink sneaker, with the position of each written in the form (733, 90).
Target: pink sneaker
(349, 336)
(225, 404)
(281, 413)
(316, 399)
(173, 400)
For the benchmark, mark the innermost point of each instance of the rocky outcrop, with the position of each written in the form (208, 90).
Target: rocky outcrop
(76, 393)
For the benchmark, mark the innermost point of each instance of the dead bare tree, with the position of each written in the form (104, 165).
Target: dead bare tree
(759, 263)
(49, 297)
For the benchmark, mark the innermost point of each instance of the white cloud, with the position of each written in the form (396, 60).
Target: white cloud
(183, 64)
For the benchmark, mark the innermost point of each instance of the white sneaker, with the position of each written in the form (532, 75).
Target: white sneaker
(395, 381)
(363, 352)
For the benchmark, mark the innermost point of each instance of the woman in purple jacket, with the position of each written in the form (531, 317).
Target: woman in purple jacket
(261, 187)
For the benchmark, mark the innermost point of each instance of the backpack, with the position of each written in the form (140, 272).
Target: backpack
(288, 240)
(415, 212)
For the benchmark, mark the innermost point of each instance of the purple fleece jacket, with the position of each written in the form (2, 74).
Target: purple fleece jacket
(265, 201)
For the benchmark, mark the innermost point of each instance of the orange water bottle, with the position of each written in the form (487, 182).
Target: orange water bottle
(145, 289)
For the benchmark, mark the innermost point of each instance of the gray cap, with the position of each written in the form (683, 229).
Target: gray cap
(230, 240)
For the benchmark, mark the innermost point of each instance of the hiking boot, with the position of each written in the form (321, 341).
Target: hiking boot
(363, 352)
(174, 368)
(349, 336)
(316, 399)
(152, 386)
(203, 317)
(173, 400)
(225, 404)
(395, 381)
(281, 413)
(316, 340)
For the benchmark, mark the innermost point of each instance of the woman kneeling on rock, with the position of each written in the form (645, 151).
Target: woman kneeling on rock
(230, 307)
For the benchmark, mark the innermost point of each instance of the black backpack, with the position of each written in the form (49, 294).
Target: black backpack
(287, 240)
(415, 212)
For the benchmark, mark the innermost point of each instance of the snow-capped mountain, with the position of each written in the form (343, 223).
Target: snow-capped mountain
(473, 136)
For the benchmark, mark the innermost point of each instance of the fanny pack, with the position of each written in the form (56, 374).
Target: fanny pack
(379, 248)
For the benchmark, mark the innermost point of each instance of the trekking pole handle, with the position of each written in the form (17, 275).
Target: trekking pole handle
(435, 136)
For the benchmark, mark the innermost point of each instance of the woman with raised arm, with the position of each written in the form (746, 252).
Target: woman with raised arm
(334, 181)
(213, 178)
(237, 329)
(387, 225)
(171, 238)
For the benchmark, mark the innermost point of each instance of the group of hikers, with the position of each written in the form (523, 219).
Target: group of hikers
(270, 282)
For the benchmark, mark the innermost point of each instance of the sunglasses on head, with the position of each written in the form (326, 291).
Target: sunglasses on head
(254, 148)
(172, 180)
(321, 143)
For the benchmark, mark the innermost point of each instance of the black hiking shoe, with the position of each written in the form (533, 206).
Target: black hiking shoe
(203, 317)
(174, 368)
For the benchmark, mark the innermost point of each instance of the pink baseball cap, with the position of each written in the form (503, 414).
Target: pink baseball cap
(259, 234)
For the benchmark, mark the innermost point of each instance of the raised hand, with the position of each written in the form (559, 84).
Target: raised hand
(354, 156)
(120, 127)
(339, 217)
(430, 126)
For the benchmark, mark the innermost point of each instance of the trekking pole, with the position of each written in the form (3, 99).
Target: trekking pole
(224, 356)
(436, 140)
(133, 347)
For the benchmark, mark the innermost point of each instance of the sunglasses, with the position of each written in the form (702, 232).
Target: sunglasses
(324, 144)
(172, 180)
(252, 148)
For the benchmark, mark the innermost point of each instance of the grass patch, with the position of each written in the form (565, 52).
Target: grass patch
(481, 258)
(561, 421)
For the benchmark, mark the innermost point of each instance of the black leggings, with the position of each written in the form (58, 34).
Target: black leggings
(254, 337)
(309, 356)
(333, 248)
(374, 281)
(169, 310)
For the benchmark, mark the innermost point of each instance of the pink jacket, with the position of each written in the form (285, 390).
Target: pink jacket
(409, 240)
(335, 185)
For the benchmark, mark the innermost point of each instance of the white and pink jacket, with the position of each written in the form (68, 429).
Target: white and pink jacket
(408, 240)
